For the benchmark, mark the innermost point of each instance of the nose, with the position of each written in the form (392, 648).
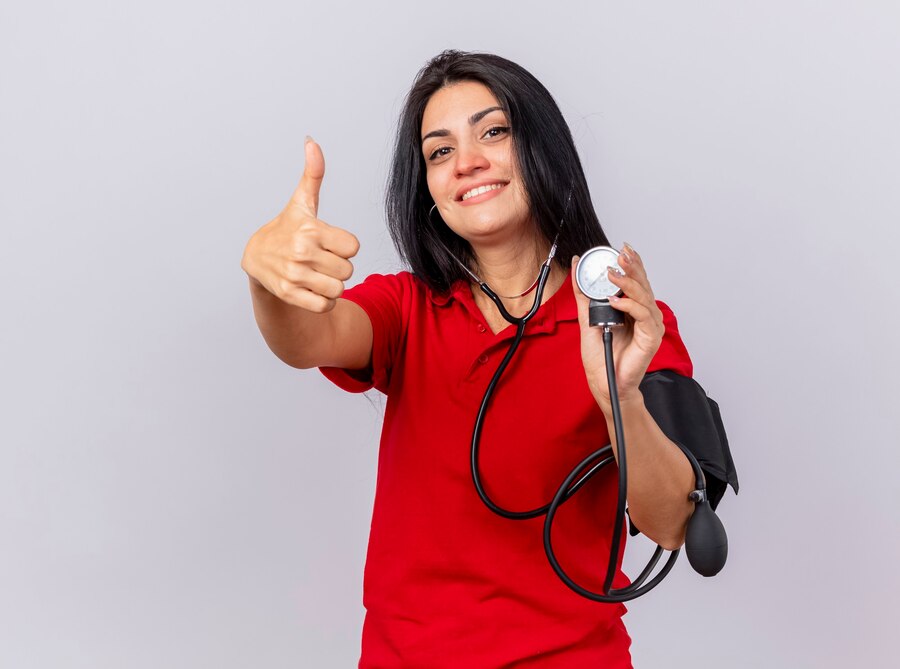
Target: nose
(470, 158)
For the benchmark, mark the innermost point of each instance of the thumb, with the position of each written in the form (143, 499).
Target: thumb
(306, 195)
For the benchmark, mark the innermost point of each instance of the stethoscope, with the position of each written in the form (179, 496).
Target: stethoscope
(706, 543)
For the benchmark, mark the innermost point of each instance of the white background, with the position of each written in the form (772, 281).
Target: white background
(171, 495)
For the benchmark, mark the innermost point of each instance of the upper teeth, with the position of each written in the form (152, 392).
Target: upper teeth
(480, 190)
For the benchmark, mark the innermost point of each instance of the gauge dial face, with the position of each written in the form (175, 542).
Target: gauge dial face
(591, 273)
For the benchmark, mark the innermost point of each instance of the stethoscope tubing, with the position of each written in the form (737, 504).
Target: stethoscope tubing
(570, 485)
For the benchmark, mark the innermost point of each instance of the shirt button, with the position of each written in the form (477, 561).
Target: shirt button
(482, 358)
(481, 328)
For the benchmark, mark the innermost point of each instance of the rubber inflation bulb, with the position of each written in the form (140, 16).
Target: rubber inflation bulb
(706, 543)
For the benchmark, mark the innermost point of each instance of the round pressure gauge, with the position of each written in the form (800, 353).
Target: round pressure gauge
(591, 273)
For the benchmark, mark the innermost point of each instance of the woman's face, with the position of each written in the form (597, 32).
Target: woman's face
(471, 166)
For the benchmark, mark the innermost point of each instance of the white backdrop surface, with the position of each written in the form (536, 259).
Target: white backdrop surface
(171, 495)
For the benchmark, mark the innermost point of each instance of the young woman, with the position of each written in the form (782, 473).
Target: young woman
(485, 174)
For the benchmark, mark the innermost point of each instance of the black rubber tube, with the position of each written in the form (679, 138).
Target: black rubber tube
(575, 480)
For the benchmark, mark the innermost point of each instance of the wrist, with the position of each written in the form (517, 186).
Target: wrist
(629, 403)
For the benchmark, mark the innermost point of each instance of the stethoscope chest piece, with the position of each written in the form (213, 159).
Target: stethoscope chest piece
(592, 275)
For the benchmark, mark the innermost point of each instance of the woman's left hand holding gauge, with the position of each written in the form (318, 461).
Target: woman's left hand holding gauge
(634, 345)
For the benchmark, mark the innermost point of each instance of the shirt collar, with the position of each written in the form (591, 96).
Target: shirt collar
(454, 292)
(560, 306)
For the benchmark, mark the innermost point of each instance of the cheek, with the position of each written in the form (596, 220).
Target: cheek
(521, 197)
(430, 182)
(433, 181)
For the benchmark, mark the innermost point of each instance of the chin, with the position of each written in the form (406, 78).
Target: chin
(489, 227)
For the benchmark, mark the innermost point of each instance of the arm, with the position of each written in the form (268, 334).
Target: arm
(297, 266)
(304, 339)
(659, 475)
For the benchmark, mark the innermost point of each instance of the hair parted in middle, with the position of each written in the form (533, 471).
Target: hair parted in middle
(545, 156)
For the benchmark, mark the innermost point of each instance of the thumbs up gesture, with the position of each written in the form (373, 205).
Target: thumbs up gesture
(297, 257)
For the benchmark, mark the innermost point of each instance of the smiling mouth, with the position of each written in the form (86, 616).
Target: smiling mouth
(480, 190)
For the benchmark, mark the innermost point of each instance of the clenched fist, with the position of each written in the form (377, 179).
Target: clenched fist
(297, 257)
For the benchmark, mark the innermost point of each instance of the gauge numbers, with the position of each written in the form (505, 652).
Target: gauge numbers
(591, 273)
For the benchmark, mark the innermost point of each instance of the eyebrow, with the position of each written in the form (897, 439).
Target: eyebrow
(473, 119)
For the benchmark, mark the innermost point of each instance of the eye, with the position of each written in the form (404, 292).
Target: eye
(496, 131)
(439, 152)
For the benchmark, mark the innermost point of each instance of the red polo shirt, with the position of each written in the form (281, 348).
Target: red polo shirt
(447, 582)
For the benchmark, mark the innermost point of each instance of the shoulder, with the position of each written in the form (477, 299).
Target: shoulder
(382, 288)
(403, 287)
(672, 353)
(398, 281)
(669, 320)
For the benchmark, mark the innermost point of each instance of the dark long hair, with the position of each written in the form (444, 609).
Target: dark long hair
(545, 155)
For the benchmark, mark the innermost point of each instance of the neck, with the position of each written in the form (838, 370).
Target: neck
(510, 270)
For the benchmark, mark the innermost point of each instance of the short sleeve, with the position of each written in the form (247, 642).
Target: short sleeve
(382, 297)
(672, 353)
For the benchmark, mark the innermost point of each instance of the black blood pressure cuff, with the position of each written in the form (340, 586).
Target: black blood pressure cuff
(687, 416)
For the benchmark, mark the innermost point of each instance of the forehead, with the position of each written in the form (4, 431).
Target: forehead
(453, 105)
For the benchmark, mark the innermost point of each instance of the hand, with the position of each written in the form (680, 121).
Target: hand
(296, 257)
(633, 345)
